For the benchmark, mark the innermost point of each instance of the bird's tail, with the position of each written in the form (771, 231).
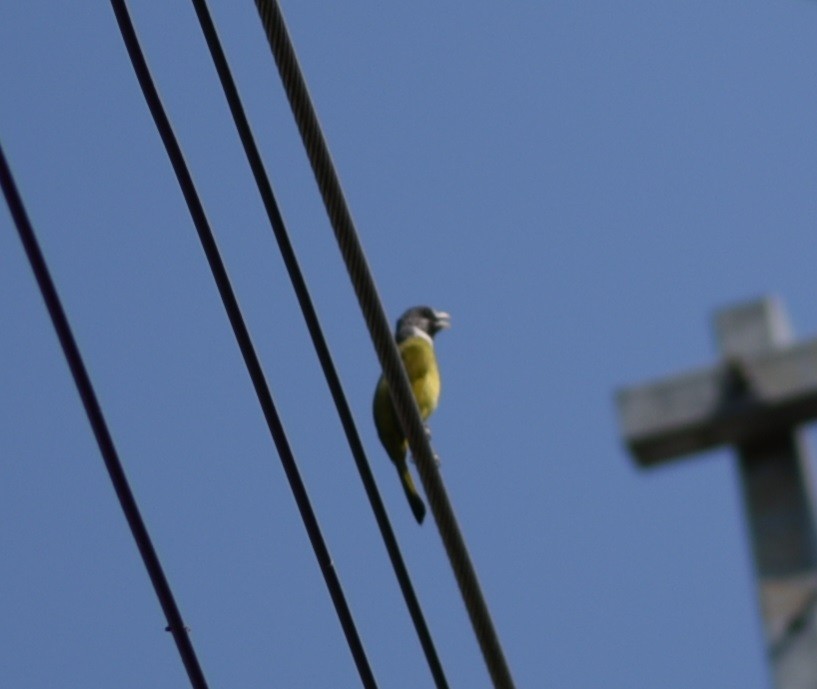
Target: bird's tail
(415, 501)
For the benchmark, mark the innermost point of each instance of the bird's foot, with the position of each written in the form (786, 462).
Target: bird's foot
(437, 461)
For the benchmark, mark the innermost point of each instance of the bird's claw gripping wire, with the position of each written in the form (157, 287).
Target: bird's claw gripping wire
(437, 461)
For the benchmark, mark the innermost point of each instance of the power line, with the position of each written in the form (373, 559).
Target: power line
(318, 339)
(405, 405)
(175, 624)
(245, 343)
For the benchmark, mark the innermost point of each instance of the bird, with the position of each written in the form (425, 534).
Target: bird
(414, 335)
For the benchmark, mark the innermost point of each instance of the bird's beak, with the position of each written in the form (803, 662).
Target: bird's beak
(442, 320)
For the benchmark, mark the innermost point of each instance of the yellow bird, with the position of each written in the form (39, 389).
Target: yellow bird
(415, 331)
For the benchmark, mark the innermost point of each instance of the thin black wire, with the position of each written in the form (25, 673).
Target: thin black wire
(175, 624)
(318, 339)
(404, 402)
(245, 343)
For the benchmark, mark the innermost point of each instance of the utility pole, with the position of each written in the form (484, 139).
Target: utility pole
(754, 401)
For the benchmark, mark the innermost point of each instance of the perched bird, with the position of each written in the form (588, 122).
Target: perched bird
(414, 335)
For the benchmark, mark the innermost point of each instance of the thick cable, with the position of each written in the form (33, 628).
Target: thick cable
(245, 344)
(175, 624)
(318, 340)
(404, 402)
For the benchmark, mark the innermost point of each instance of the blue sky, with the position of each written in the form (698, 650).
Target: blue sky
(579, 184)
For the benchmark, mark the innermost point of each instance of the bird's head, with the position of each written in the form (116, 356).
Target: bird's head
(422, 321)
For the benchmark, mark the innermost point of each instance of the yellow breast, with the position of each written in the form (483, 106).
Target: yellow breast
(421, 367)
